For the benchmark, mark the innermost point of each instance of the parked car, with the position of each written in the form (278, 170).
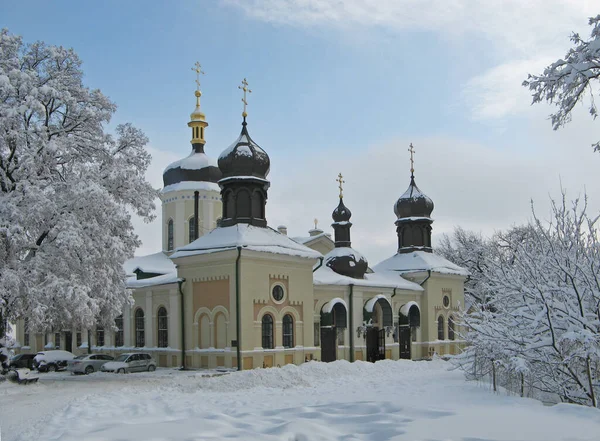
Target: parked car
(50, 361)
(22, 361)
(131, 362)
(88, 363)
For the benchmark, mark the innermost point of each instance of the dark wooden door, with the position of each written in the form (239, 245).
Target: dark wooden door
(372, 344)
(404, 340)
(68, 341)
(328, 343)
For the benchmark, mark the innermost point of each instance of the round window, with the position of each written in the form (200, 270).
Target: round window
(446, 301)
(277, 293)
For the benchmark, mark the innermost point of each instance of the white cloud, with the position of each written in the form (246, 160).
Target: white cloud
(523, 36)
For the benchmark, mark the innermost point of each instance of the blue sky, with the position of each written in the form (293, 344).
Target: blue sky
(344, 86)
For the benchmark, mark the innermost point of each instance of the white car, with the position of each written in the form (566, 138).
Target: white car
(50, 361)
(131, 362)
(87, 363)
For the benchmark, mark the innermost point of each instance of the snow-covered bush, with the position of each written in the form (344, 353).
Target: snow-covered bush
(538, 328)
(67, 188)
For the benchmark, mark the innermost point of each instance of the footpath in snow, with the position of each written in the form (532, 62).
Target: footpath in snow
(388, 400)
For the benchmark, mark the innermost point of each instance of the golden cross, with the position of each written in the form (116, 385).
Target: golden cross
(412, 159)
(316, 222)
(244, 87)
(341, 181)
(198, 69)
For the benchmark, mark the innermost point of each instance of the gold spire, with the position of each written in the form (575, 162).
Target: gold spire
(244, 87)
(340, 181)
(197, 118)
(412, 159)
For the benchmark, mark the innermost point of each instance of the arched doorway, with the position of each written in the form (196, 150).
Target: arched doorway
(334, 319)
(409, 320)
(378, 316)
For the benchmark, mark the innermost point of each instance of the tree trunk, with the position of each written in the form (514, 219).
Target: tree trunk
(522, 385)
(590, 381)
(494, 375)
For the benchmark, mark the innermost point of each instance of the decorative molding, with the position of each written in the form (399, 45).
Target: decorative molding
(210, 278)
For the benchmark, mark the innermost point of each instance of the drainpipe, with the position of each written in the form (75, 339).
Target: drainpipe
(320, 264)
(351, 321)
(237, 309)
(180, 283)
(394, 293)
(196, 223)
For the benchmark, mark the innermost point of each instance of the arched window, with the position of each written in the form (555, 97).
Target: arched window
(440, 328)
(243, 202)
(99, 336)
(163, 330)
(119, 334)
(192, 229)
(451, 328)
(267, 332)
(288, 331)
(170, 235)
(139, 329)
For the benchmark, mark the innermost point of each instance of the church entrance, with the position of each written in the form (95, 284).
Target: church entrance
(378, 317)
(333, 326)
(404, 340)
(375, 344)
(409, 320)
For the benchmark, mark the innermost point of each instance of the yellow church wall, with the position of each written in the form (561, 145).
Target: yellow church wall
(437, 286)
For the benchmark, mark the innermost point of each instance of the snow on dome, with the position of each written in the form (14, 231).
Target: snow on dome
(263, 239)
(418, 261)
(244, 158)
(192, 185)
(413, 203)
(194, 161)
(347, 261)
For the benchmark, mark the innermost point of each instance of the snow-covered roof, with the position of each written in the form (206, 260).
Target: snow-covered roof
(326, 276)
(306, 239)
(418, 261)
(152, 263)
(264, 239)
(192, 185)
(165, 279)
(194, 161)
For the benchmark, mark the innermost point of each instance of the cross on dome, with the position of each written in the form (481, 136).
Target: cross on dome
(198, 69)
(340, 181)
(245, 88)
(412, 159)
(316, 221)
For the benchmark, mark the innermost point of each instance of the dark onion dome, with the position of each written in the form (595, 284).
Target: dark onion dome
(244, 158)
(197, 167)
(413, 203)
(341, 213)
(347, 262)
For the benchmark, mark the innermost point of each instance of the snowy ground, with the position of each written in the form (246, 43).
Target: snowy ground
(389, 400)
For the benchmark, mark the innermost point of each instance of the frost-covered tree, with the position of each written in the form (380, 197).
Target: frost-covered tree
(67, 188)
(543, 319)
(567, 81)
(468, 250)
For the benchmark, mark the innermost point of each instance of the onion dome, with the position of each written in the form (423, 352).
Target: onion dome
(341, 213)
(197, 166)
(347, 262)
(244, 158)
(413, 203)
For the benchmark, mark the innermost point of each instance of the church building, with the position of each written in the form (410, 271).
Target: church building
(227, 290)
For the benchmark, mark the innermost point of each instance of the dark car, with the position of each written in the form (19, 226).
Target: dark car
(22, 361)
